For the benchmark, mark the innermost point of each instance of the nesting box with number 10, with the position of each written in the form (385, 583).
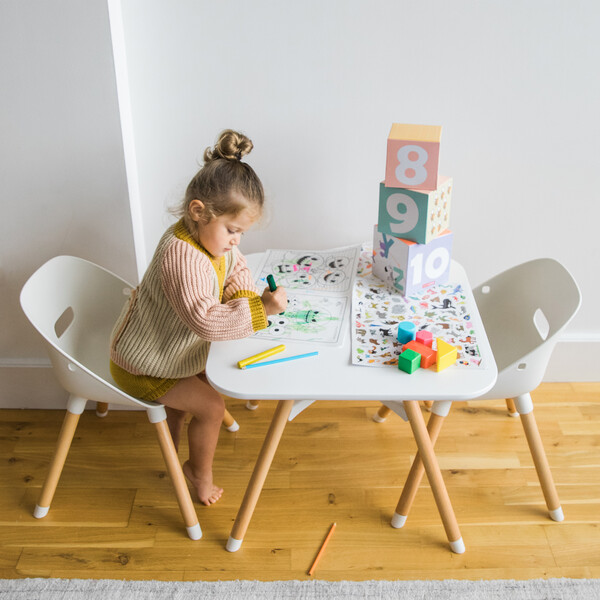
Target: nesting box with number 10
(416, 215)
(410, 267)
(413, 153)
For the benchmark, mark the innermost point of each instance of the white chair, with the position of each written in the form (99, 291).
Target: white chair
(74, 305)
(524, 309)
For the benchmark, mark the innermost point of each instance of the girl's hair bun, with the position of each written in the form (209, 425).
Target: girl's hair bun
(231, 145)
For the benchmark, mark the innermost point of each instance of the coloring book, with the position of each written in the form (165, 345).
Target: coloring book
(377, 310)
(319, 289)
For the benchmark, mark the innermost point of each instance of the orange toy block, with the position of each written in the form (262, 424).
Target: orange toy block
(428, 355)
(412, 156)
(446, 354)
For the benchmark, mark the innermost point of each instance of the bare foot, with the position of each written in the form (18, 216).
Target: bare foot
(208, 493)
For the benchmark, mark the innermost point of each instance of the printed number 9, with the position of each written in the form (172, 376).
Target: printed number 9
(404, 211)
(411, 172)
(435, 265)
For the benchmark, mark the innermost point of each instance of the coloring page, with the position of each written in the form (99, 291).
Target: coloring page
(318, 286)
(377, 310)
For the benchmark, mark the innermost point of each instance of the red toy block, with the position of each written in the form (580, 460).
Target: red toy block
(428, 355)
(425, 337)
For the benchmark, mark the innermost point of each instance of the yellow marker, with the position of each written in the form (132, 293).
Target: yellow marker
(252, 359)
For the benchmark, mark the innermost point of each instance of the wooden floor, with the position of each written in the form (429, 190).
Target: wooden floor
(115, 516)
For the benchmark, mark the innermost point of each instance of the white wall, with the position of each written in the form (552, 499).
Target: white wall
(62, 174)
(317, 84)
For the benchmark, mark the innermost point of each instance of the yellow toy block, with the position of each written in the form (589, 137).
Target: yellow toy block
(446, 354)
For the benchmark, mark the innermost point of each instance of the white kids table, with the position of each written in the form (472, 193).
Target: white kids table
(331, 376)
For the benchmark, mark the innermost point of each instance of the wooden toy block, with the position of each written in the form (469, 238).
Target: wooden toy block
(409, 267)
(424, 337)
(413, 153)
(415, 215)
(446, 354)
(409, 361)
(428, 355)
(406, 332)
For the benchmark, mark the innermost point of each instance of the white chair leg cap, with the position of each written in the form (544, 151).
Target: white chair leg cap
(458, 547)
(40, 511)
(378, 419)
(233, 427)
(557, 514)
(233, 545)
(398, 520)
(194, 531)
(515, 414)
(101, 414)
(251, 406)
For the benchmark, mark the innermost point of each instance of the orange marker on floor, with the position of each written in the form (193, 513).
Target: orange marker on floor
(318, 557)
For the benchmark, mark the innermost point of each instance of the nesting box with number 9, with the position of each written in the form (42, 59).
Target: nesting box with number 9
(413, 153)
(415, 215)
(411, 267)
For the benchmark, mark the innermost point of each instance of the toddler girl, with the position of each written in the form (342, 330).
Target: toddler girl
(196, 289)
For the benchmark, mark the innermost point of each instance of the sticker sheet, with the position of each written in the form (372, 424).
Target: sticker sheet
(319, 289)
(377, 310)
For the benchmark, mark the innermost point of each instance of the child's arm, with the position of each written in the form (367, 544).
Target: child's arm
(240, 283)
(187, 279)
(240, 279)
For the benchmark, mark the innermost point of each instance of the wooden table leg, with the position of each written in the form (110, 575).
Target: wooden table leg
(257, 479)
(417, 470)
(434, 475)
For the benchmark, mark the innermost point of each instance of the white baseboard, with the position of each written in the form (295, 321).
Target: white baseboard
(30, 383)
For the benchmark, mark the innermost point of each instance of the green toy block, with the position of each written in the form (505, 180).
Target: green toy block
(409, 361)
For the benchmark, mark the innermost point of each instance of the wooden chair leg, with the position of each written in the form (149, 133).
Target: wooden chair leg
(381, 415)
(417, 470)
(434, 475)
(512, 409)
(177, 477)
(540, 460)
(261, 469)
(252, 404)
(63, 444)
(229, 422)
(101, 409)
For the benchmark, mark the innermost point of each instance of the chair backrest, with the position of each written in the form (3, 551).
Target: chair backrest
(523, 309)
(74, 305)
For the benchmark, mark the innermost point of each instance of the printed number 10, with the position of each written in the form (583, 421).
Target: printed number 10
(431, 267)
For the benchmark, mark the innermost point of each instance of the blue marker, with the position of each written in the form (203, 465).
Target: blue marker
(279, 360)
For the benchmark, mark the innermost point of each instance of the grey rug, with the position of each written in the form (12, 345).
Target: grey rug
(107, 589)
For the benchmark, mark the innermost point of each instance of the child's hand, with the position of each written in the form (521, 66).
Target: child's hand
(275, 302)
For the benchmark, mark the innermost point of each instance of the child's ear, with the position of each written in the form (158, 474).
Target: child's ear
(196, 209)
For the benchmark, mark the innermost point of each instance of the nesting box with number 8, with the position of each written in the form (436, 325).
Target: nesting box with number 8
(415, 215)
(410, 267)
(413, 153)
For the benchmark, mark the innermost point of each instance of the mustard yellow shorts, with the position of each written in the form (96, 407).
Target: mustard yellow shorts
(144, 387)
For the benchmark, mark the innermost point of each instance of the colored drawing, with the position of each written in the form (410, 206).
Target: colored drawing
(377, 310)
(318, 286)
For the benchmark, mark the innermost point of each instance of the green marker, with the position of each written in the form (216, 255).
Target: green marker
(271, 282)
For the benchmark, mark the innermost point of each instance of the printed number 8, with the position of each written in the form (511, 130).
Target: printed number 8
(411, 172)
(406, 217)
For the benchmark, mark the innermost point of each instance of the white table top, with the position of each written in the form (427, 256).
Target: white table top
(332, 376)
